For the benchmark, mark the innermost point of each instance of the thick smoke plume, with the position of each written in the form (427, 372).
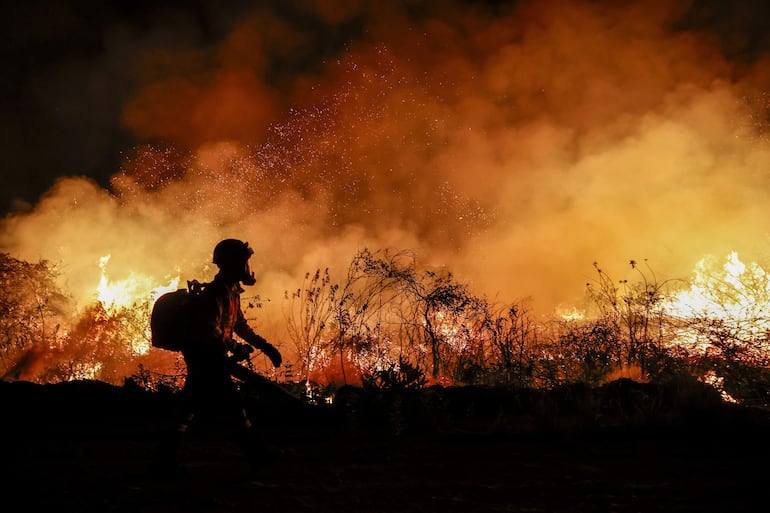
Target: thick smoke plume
(511, 143)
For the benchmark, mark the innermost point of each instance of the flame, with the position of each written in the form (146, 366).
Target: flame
(711, 378)
(126, 293)
(737, 291)
(724, 306)
(569, 313)
(131, 293)
(737, 294)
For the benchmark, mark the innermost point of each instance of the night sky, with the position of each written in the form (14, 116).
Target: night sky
(70, 68)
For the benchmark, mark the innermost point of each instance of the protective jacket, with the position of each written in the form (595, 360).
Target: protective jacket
(220, 316)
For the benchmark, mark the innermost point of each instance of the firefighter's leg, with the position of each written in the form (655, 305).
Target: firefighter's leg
(257, 452)
(165, 458)
(249, 442)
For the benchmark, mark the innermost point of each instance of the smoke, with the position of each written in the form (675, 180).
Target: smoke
(513, 144)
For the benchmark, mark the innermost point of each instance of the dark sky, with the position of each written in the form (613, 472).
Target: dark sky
(69, 68)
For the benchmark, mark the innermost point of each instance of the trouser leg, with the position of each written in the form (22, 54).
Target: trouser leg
(166, 454)
(256, 450)
(248, 441)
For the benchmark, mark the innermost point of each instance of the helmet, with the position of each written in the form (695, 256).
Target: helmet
(231, 252)
(232, 258)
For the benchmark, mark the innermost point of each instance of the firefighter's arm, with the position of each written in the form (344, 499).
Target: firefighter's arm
(243, 330)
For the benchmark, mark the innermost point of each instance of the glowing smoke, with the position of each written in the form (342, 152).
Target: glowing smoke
(513, 149)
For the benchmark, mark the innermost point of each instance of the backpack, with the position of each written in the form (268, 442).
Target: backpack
(171, 317)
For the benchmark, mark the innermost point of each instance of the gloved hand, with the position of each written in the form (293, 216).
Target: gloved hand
(272, 353)
(242, 352)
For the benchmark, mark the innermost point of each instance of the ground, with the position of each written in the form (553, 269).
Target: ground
(88, 446)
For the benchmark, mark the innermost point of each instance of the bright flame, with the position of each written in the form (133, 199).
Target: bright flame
(570, 313)
(159, 291)
(711, 378)
(724, 307)
(452, 333)
(731, 293)
(126, 293)
(738, 295)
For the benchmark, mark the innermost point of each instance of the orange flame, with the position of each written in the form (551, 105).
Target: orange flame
(126, 293)
(736, 294)
(129, 293)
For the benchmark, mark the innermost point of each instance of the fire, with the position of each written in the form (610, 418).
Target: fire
(711, 378)
(569, 313)
(126, 293)
(736, 295)
(131, 293)
(737, 291)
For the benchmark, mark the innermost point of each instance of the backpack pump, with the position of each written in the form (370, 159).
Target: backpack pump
(172, 315)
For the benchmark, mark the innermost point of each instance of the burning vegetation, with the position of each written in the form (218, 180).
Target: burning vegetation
(390, 324)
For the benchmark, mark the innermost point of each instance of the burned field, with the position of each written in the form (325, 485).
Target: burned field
(625, 446)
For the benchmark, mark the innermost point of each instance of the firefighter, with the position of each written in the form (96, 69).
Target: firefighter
(209, 390)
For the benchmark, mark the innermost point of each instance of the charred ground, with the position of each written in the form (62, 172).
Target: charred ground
(626, 446)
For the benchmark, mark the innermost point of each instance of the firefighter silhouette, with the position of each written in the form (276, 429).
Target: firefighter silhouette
(210, 394)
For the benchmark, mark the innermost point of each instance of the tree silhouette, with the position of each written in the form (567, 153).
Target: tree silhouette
(32, 310)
